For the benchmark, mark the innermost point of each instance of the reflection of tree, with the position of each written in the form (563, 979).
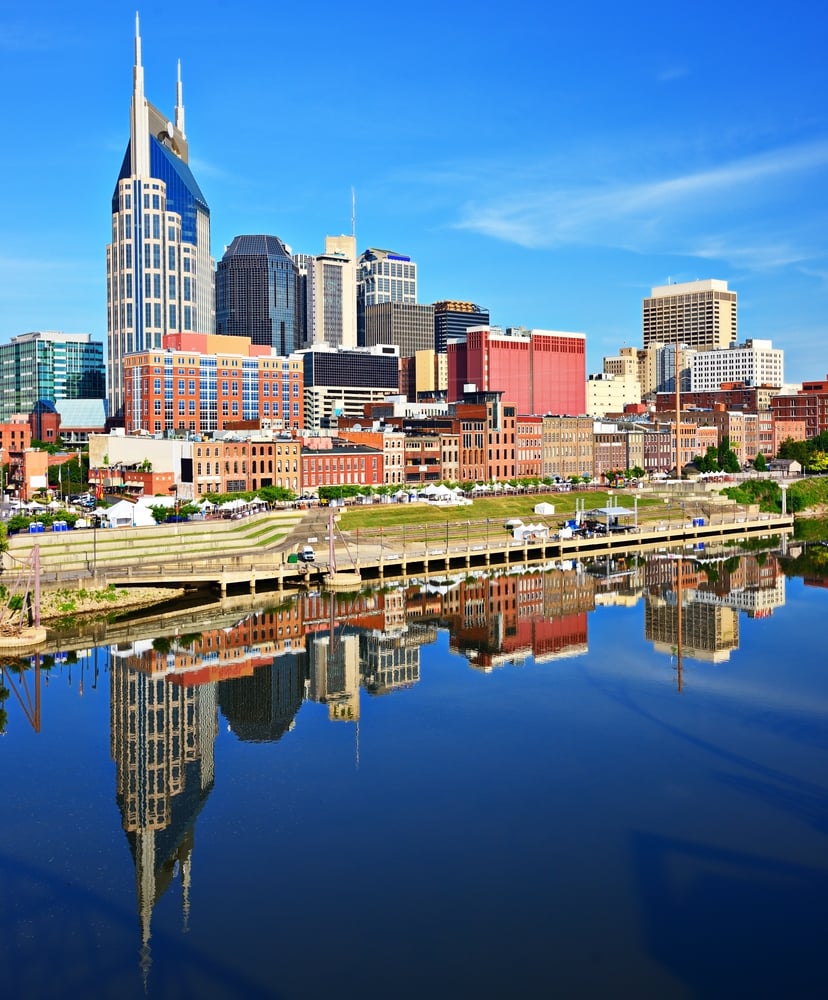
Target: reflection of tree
(812, 561)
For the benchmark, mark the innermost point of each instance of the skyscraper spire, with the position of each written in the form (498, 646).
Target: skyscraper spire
(139, 132)
(179, 104)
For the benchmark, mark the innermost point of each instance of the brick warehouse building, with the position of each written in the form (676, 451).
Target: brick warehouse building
(540, 371)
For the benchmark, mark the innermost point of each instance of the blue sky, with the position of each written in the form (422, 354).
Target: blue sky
(551, 164)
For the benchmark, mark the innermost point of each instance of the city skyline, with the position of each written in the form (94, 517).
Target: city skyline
(556, 192)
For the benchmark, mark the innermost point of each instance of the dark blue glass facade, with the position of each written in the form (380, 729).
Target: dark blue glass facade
(183, 193)
(257, 293)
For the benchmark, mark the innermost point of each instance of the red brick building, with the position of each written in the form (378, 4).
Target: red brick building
(200, 383)
(539, 371)
(809, 405)
(329, 461)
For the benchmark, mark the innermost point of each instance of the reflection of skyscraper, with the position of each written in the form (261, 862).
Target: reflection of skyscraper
(333, 669)
(261, 707)
(162, 736)
(708, 633)
(390, 661)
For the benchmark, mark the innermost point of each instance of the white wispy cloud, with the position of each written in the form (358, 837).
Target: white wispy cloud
(648, 215)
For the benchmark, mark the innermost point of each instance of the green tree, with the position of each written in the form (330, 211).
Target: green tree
(760, 463)
(794, 450)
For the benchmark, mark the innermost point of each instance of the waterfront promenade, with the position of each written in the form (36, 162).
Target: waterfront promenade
(252, 557)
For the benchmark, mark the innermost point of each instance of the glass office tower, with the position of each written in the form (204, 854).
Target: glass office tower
(257, 293)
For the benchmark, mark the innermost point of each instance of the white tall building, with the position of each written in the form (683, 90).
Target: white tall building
(700, 314)
(159, 268)
(756, 362)
(386, 276)
(331, 293)
(383, 276)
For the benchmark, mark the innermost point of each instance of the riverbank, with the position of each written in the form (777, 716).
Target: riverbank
(74, 602)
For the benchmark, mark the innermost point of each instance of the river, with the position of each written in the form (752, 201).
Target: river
(588, 780)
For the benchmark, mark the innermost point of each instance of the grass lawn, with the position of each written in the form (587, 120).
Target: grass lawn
(496, 510)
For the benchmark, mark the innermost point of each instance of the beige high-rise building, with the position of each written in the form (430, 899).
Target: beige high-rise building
(331, 294)
(700, 314)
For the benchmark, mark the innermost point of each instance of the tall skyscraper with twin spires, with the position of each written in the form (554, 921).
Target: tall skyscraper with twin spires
(158, 265)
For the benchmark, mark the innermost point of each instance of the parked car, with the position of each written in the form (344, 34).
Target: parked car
(306, 554)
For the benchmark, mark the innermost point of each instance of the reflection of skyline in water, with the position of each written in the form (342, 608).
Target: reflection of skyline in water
(260, 669)
(712, 588)
(184, 710)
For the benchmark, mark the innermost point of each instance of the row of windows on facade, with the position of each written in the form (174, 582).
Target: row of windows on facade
(371, 285)
(152, 287)
(346, 463)
(152, 258)
(152, 318)
(286, 366)
(125, 196)
(241, 486)
(262, 450)
(254, 467)
(389, 268)
(227, 409)
(251, 390)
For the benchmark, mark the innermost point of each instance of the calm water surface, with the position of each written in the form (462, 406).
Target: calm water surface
(537, 785)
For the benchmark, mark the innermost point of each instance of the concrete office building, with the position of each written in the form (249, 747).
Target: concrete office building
(755, 362)
(331, 294)
(608, 393)
(406, 325)
(383, 276)
(158, 265)
(340, 383)
(700, 314)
